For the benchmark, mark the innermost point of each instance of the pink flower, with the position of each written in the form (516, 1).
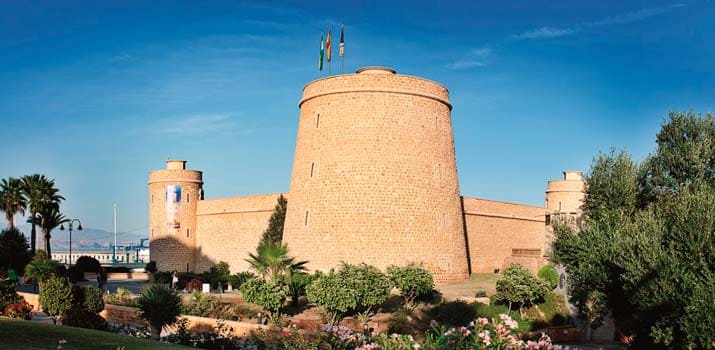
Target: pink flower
(485, 337)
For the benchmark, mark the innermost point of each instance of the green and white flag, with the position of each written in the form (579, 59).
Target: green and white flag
(322, 53)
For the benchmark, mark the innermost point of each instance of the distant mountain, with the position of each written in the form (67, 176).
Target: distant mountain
(87, 239)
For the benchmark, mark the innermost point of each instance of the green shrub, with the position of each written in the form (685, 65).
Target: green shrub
(219, 274)
(399, 323)
(492, 311)
(160, 306)
(122, 297)
(199, 304)
(371, 285)
(480, 293)
(331, 292)
(56, 296)
(41, 268)
(518, 286)
(161, 277)
(79, 316)
(555, 309)
(353, 288)
(297, 284)
(150, 267)
(454, 313)
(8, 295)
(549, 274)
(75, 274)
(88, 264)
(240, 278)
(13, 250)
(267, 295)
(90, 297)
(414, 281)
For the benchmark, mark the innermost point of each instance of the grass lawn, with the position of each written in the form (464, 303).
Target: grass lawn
(18, 334)
(486, 281)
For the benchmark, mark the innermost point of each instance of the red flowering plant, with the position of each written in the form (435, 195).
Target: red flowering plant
(21, 310)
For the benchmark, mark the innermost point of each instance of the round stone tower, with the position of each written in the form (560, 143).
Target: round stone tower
(173, 195)
(565, 196)
(374, 175)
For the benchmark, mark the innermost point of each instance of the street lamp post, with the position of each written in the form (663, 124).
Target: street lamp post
(79, 228)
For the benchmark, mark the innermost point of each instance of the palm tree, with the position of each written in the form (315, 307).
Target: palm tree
(48, 219)
(160, 306)
(272, 261)
(12, 199)
(42, 197)
(32, 189)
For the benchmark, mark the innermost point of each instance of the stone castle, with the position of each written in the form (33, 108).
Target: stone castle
(374, 180)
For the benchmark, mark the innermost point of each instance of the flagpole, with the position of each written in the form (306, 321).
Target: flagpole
(342, 48)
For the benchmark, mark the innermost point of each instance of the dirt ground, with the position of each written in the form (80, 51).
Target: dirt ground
(466, 290)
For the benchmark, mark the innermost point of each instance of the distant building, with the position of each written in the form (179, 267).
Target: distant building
(103, 256)
(374, 180)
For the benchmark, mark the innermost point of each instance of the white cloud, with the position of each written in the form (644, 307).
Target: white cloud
(477, 57)
(544, 33)
(631, 17)
(196, 124)
(634, 16)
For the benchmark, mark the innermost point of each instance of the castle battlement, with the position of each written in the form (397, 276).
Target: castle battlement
(374, 180)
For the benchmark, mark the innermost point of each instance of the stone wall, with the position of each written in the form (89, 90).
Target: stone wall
(374, 175)
(230, 228)
(495, 229)
(32, 299)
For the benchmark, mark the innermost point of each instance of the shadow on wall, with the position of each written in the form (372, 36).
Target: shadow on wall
(171, 254)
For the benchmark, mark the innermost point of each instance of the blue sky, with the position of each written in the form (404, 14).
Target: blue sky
(96, 95)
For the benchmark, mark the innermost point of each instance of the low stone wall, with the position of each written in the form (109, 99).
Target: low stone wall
(113, 276)
(196, 324)
(32, 299)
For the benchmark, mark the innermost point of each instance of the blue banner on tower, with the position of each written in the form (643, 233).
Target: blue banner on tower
(173, 206)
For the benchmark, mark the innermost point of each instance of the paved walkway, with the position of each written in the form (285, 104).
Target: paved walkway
(134, 286)
(39, 316)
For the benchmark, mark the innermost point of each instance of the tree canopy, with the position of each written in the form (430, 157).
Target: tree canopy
(274, 233)
(645, 248)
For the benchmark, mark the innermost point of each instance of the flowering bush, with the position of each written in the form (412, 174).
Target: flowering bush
(341, 337)
(294, 340)
(21, 310)
(497, 334)
(220, 337)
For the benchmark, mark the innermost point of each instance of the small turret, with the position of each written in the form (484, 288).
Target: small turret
(564, 198)
(173, 196)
